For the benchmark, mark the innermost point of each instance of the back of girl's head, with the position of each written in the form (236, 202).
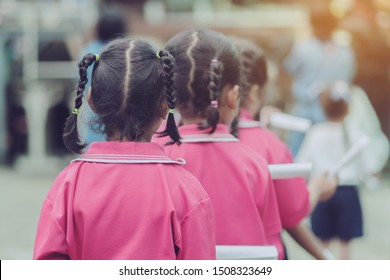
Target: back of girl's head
(130, 80)
(335, 100)
(206, 62)
(253, 64)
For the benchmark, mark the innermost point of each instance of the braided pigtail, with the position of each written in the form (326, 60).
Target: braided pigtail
(234, 127)
(70, 136)
(168, 63)
(214, 88)
(247, 59)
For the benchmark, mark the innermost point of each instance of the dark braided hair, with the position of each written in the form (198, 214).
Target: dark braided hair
(253, 64)
(206, 62)
(129, 83)
(253, 70)
(71, 137)
(169, 81)
(215, 74)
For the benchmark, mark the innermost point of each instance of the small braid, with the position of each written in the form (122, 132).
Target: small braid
(215, 75)
(71, 137)
(246, 59)
(234, 127)
(168, 64)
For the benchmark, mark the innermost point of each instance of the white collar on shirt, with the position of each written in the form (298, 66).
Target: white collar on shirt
(129, 158)
(197, 138)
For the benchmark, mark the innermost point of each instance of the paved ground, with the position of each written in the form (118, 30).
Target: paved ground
(21, 196)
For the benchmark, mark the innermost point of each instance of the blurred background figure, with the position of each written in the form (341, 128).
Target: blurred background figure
(368, 23)
(363, 121)
(314, 63)
(324, 145)
(112, 23)
(4, 69)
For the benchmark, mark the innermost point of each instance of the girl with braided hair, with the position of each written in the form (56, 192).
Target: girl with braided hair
(295, 199)
(236, 179)
(125, 198)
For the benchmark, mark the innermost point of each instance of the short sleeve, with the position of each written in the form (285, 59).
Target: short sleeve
(269, 211)
(50, 241)
(198, 233)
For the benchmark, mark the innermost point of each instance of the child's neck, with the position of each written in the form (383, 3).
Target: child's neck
(147, 137)
(114, 139)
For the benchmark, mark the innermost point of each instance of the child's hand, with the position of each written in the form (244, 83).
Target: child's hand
(322, 188)
(326, 186)
(266, 113)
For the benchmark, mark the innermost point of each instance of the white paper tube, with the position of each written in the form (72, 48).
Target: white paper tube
(289, 122)
(236, 252)
(348, 157)
(289, 170)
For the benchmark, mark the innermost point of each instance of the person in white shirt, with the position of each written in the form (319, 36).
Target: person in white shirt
(324, 145)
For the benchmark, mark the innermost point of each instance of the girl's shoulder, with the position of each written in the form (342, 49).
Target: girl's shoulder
(248, 156)
(64, 180)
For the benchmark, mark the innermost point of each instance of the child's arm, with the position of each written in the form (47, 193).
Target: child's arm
(306, 239)
(269, 212)
(198, 233)
(321, 188)
(50, 241)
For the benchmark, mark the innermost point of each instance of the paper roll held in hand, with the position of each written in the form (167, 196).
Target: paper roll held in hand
(237, 252)
(350, 155)
(289, 122)
(289, 170)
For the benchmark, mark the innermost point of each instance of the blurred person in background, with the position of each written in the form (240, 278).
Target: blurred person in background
(367, 26)
(4, 73)
(324, 145)
(363, 120)
(112, 23)
(313, 63)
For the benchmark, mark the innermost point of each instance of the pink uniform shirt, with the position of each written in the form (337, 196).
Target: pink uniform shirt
(126, 200)
(237, 181)
(292, 194)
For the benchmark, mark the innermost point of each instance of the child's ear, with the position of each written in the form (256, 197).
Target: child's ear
(164, 110)
(233, 101)
(89, 99)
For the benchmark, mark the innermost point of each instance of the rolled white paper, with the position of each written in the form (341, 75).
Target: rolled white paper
(289, 122)
(349, 156)
(238, 252)
(289, 170)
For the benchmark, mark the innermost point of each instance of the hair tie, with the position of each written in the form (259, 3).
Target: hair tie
(97, 57)
(75, 111)
(214, 60)
(214, 103)
(158, 55)
(170, 111)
